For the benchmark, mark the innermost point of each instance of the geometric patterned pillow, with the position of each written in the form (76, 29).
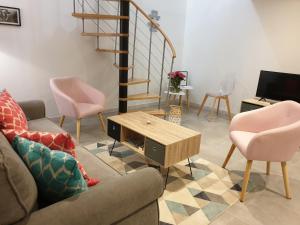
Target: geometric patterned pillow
(11, 114)
(60, 141)
(55, 172)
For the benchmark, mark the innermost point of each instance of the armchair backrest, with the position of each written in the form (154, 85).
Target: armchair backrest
(277, 129)
(276, 145)
(70, 86)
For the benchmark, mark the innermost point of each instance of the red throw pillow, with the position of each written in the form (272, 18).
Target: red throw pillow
(11, 114)
(60, 141)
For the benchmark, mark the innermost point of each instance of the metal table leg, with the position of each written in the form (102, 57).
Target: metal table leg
(167, 177)
(111, 150)
(190, 166)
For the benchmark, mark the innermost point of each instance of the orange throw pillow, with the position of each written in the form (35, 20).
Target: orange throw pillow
(11, 114)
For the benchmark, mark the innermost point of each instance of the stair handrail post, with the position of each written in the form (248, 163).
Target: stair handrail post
(149, 59)
(82, 10)
(98, 22)
(74, 6)
(134, 43)
(162, 73)
(117, 27)
(123, 57)
(169, 83)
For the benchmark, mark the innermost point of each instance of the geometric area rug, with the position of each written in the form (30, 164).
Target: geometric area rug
(187, 200)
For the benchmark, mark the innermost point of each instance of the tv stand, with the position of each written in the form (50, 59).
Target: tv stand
(254, 103)
(262, 100)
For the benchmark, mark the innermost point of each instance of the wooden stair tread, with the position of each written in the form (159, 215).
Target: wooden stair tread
(123, 68)
(141, 96)
(104, 34)
(99, 16)
(111, 51)
(135, 81)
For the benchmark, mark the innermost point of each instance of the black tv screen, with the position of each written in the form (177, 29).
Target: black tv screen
(278, 86)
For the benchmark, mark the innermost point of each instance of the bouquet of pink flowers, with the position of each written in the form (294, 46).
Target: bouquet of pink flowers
(176, 77)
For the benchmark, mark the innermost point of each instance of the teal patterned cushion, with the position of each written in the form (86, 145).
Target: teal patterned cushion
(55, 172)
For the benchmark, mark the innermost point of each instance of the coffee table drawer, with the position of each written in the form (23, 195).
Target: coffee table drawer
(113, 130)
(155, 151)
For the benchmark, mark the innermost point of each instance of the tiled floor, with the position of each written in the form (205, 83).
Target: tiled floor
(263, 207)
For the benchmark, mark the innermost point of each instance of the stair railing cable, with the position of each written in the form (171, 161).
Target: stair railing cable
(116, 38)
(134, 43)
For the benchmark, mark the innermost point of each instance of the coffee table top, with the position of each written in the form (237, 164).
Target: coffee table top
(153, 127)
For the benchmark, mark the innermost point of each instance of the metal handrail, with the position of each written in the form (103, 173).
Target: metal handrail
(154, 24)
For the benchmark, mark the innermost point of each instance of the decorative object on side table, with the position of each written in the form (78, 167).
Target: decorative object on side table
(176, 78)
(175, 114)
(10, 16)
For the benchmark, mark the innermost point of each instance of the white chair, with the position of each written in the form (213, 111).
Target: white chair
(224, 90)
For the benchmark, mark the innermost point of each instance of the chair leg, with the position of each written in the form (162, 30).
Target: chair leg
(246, 180)
(231, 150)
(188, 100)
(78, 129)
(219, 99)
(286, 180)
(61, 121)
(180, 101)
(213, 107)
(228, 107)
(268, 168)
(100, 116)
(202, 104)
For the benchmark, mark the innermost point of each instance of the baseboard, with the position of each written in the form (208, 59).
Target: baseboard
(116, 110)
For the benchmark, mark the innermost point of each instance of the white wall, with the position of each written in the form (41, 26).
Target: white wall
(48, 44)
(241, 37)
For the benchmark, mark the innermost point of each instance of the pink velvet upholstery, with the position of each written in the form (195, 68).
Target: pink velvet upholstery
(268, 134)
(74, 98)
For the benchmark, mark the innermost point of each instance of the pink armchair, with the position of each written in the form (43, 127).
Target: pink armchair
(270, 134)
(76, 99)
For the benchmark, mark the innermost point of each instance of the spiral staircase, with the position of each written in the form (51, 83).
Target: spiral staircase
(143, 53)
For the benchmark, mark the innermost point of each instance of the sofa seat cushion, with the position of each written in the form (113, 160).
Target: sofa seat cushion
(18, 191)
(56, 173)
(95, 167)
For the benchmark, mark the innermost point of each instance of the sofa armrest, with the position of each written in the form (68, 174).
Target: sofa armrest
(34, 109)
(105, 203)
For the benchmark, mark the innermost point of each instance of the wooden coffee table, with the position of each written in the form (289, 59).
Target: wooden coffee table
(159, 140)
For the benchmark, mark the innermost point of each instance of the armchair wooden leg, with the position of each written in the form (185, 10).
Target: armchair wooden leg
(219, 99)
(78, 129)
(268, 168)
(100, 116)
(246, 180)
(61, 121)
(228, 107)
(286, 180)
(231, 150)
(202, 104)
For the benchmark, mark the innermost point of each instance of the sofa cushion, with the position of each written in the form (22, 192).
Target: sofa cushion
(18, 191)
(11, 114)
(56, 172)
(95, 167)
(60, 141)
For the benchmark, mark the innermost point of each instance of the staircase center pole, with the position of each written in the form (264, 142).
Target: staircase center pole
(123, 58)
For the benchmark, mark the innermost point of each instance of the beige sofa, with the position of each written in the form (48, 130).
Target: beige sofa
(122, 200)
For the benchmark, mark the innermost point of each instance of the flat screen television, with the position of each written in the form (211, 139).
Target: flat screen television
(278, 86)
